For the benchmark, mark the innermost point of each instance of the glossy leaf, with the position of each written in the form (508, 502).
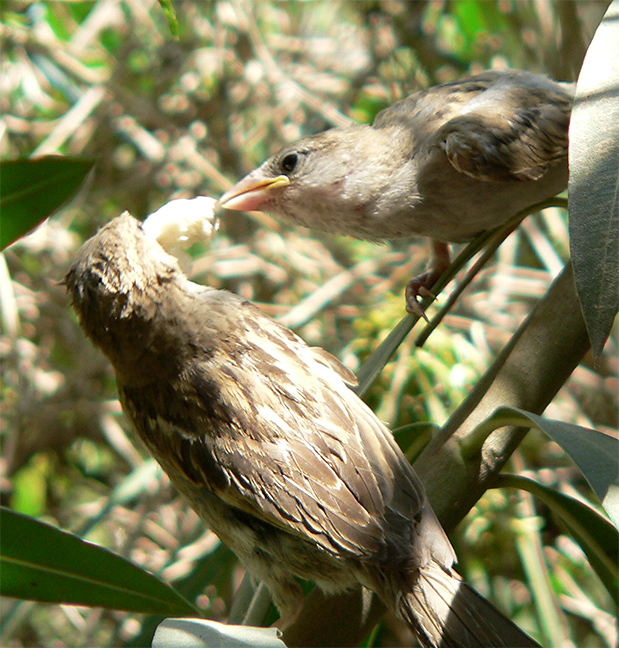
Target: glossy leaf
(594, 181)
(595, 453)
(595, 534)
(42, 563)
(202, 633)
(32, 189)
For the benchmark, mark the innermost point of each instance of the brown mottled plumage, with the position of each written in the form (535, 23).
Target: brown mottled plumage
(263, 437)
(448, 163)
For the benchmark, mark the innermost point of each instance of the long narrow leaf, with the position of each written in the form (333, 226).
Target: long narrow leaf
(596, 454)
(596, 536)
(42, 563)
(170, 14)
(31, 190)
(594, 181)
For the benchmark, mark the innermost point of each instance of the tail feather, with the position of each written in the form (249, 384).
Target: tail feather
(445, 612)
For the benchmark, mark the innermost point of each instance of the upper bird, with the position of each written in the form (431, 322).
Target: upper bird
(448, 163)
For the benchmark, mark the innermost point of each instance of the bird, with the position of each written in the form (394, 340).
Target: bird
(447, 163)
(265, 439)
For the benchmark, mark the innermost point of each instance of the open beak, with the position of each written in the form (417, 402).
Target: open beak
(252, 192)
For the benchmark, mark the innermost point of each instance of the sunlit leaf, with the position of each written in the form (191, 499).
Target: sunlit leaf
(595, 453)
(594, 181)
(42, 563)
(205, 633)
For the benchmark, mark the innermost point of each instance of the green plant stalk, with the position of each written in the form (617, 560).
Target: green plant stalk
(251, 603)
(496, 238)
(530, 550)
(471, 446)
(381, 356)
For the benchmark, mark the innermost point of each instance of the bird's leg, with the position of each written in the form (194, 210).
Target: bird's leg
(420, 286)
(288, 619)
(288, 598)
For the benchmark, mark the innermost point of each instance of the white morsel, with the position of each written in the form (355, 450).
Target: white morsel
(181, 223)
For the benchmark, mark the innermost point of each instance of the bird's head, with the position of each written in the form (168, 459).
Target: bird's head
(115, 285)
(326, 181)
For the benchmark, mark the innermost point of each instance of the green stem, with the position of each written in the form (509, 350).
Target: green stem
(380, 357)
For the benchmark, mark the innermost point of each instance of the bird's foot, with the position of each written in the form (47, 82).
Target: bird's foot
(420, 287)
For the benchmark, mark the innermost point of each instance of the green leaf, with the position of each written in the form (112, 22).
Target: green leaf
(595, 453)
(206, 634)
(594, 533)
(594, 182)
(31, 190)
(42, 563)
(170, 14)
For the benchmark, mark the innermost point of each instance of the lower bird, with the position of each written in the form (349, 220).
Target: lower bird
(266, 441)
(448, 163)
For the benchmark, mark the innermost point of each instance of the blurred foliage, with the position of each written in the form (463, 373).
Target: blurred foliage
(169, 117)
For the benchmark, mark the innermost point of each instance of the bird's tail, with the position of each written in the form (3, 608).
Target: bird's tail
(444, 612)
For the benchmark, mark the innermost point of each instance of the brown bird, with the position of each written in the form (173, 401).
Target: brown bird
(449, 163)
(263, 437)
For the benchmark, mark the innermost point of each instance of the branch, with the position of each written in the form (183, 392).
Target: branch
(527, 374)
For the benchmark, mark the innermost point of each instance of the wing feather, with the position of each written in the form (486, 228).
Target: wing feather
(279, 435)
(497, 126)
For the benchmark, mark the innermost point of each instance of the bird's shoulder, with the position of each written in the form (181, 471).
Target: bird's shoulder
(423, 110)
(245, 334)
(495, 126)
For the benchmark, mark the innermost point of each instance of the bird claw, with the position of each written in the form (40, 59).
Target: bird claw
(420, 287)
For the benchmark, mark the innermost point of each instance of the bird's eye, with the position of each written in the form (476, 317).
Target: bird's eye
(289, 162)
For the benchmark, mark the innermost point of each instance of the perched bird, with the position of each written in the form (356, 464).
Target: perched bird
(264, 438)
(448, 163)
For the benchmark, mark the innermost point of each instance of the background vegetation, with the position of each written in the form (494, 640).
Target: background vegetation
(169, 117)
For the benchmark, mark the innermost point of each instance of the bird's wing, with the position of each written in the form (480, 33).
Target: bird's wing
(270, 426)
(495, 126)
(514, 130)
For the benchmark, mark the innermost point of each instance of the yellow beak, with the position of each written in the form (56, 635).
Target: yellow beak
(252, 192)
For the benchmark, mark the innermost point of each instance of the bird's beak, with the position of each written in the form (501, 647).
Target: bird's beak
(252, 192)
